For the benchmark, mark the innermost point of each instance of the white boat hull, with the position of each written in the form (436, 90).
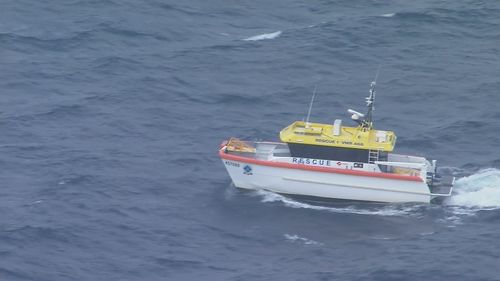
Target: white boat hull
(299, 181)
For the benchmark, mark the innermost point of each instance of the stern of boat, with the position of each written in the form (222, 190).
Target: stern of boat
(441, 186)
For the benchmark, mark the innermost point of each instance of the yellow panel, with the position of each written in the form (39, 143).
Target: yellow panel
(350, 137)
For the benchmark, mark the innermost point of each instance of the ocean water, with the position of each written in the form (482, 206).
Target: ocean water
(111, 114)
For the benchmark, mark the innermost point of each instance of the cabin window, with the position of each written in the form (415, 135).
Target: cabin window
(328, 152)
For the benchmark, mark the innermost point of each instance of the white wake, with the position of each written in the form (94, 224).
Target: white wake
(477, 192)
(264, 36)
(385, 210)
(480, 190)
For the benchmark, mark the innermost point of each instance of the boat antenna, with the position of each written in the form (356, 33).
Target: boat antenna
(370, 101)
(310, 106)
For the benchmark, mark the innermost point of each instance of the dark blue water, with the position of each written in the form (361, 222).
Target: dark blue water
(111, 114)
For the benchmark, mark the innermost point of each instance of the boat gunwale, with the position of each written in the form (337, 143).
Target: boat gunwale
(228, 156)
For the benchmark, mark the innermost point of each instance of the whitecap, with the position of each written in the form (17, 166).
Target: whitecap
(296, 238)
(390, 15)
(36, 202)
(265, 36)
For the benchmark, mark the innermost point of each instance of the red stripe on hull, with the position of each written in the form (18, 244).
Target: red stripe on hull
(226, 156)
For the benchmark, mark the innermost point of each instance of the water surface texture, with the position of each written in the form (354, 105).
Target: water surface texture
(111, 114)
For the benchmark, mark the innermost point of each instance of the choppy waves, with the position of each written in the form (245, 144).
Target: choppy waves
(112, 113)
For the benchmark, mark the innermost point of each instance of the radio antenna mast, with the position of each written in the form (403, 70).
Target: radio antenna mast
(310, 106)
(370, 101)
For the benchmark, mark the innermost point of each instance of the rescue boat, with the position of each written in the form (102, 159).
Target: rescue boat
(335, 161)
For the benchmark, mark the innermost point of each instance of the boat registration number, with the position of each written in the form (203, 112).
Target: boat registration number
(230, 163)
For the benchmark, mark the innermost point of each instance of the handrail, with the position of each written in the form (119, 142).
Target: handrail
(402, 164)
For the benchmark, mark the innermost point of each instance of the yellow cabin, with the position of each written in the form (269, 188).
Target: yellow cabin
(337, 135)
(361, 144)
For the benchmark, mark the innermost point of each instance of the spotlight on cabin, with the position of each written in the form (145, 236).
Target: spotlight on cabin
(357, 116)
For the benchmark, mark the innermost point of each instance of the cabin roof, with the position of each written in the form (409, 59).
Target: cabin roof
(346, 137)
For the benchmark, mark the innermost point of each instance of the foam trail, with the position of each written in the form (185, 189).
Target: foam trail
(386, 210)
(480, 190)
(264, 36)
